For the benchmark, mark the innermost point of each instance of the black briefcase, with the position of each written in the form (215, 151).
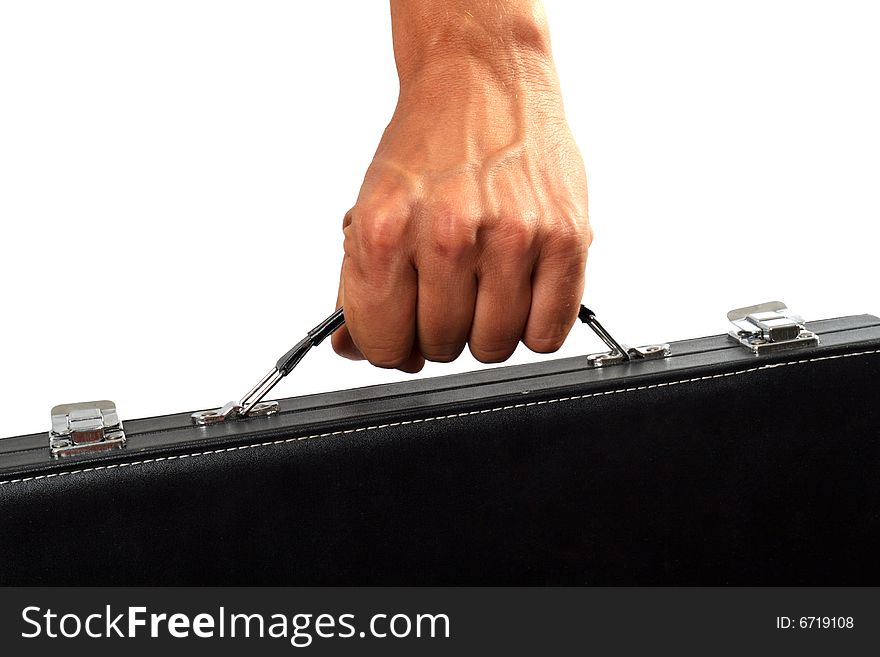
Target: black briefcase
(746, 458)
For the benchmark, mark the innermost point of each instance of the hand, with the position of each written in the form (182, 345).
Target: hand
(471, 225)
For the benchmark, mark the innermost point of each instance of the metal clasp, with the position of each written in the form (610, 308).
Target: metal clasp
(619, 353)
(85, 427)
(768, 327)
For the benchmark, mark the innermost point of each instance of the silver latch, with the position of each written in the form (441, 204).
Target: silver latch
(85, 427)
(618, 352)
(769, 327)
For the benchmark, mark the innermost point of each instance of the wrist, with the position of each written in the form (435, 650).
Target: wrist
(445, 40)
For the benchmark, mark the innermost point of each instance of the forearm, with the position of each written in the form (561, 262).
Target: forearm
(503, 41)
(483, 69)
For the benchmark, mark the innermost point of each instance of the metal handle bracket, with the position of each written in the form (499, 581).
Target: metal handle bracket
(252, 403)
(618, 352)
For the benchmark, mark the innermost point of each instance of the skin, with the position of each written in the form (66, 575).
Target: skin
(471, 226)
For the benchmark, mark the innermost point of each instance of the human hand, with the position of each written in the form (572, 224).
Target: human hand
(471, 225)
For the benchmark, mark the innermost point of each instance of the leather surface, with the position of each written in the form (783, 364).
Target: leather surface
(732, 476)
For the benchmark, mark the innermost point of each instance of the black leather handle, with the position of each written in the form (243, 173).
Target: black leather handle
(314, 337)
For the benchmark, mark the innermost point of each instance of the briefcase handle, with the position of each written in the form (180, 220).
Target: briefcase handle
(252, 403)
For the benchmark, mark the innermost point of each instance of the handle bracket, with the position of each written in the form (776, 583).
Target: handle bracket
(618, 352)
(251, 404)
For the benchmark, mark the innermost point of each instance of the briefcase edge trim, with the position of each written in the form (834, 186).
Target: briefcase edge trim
(282, 441)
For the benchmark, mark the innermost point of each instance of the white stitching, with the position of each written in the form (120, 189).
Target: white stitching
(132, 464)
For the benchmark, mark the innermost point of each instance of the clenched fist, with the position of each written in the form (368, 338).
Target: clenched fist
(471, 225)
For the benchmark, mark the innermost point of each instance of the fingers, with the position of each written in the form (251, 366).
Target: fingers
(557, 289)
(409, 297)
(447, 291)
(380, 289)
(412, 363)
(503, 296)
(445, 312)
(344, 345)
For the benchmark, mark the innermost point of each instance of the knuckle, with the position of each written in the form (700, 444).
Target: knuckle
(545, 344)
(451, 237)
(346, 220)
(389, 361)
(588, 235)
(572, 232)
(379, 233)
(519, 234)
(440, 352)
(492, 352)
(566, 252)
(386, 357)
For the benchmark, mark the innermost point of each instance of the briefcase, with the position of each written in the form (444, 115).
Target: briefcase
(748, 458)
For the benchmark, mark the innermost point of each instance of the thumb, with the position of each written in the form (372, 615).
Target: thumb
(341, 339)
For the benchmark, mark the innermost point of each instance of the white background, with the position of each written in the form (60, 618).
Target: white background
(173, 176)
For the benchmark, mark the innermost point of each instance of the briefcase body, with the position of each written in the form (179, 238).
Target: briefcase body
(722, 460)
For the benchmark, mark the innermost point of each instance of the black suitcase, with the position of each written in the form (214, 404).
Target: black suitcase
(746, 458)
